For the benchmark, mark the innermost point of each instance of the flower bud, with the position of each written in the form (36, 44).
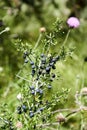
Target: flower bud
(19, 96)
(60, 117)
(19, 125)
(7, 29)
(84, 91)
(42, 29)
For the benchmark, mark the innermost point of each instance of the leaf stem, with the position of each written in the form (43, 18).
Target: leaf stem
(37, 43)
(67, 35)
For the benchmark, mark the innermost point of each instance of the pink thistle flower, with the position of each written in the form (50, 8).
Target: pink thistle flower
(73, 22)
(19, 125)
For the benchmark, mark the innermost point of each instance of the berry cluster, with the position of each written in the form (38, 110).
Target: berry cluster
(25, 55)
(42, 76)
(44, 66)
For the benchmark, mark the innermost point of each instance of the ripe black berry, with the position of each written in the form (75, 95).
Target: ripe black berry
(33, 66)
(24, 108)
(47, 69)
(31, 62)
(49, 86)
(85, 59)
(41, 109)
(39, 72)
(42, 66)
(51, 64)
(53, 67)
(53, 75)
(32, 87)
(26, 53)
(34, 127)
(40, 91)
(19, 110)
(26, 61)
(54, 60)
(33, 72)
(24, 56)
(42, 55)
(32, 92)
(31, 114)
(37, 90)
(51, 80)
(43, 60)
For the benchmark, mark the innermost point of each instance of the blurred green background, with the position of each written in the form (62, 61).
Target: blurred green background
(24, 18)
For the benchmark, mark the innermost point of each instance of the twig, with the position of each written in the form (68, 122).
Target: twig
(61, 110)
(22, 78)
(48, 124)
(4, 120)
(73, 112)
(67, 35)
(39, 38)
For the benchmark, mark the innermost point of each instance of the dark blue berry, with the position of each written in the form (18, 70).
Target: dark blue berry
(40, 91)
(32, 87)
(30, 108)
(54, 60)
(24, 56)
(41, 109)
(33, 72)
(24, 108)
(26, 61)
(31, 62)
(42, 55)
(40, 102)
(37, 77)
(26, 53)
(31, 114)
(34, 127)
(19, 110)
(10, 123)
(43, 60)
(39, 72)
(51, 64)
(33, 66)
(53, 75)
(85, 59)
(32, 92)
(37, 90)
(42, 66)
(51, 80)
(53, 67)
(48, 69)
(49, 86)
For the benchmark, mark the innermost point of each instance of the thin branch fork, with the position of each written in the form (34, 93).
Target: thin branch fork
(73, 111)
